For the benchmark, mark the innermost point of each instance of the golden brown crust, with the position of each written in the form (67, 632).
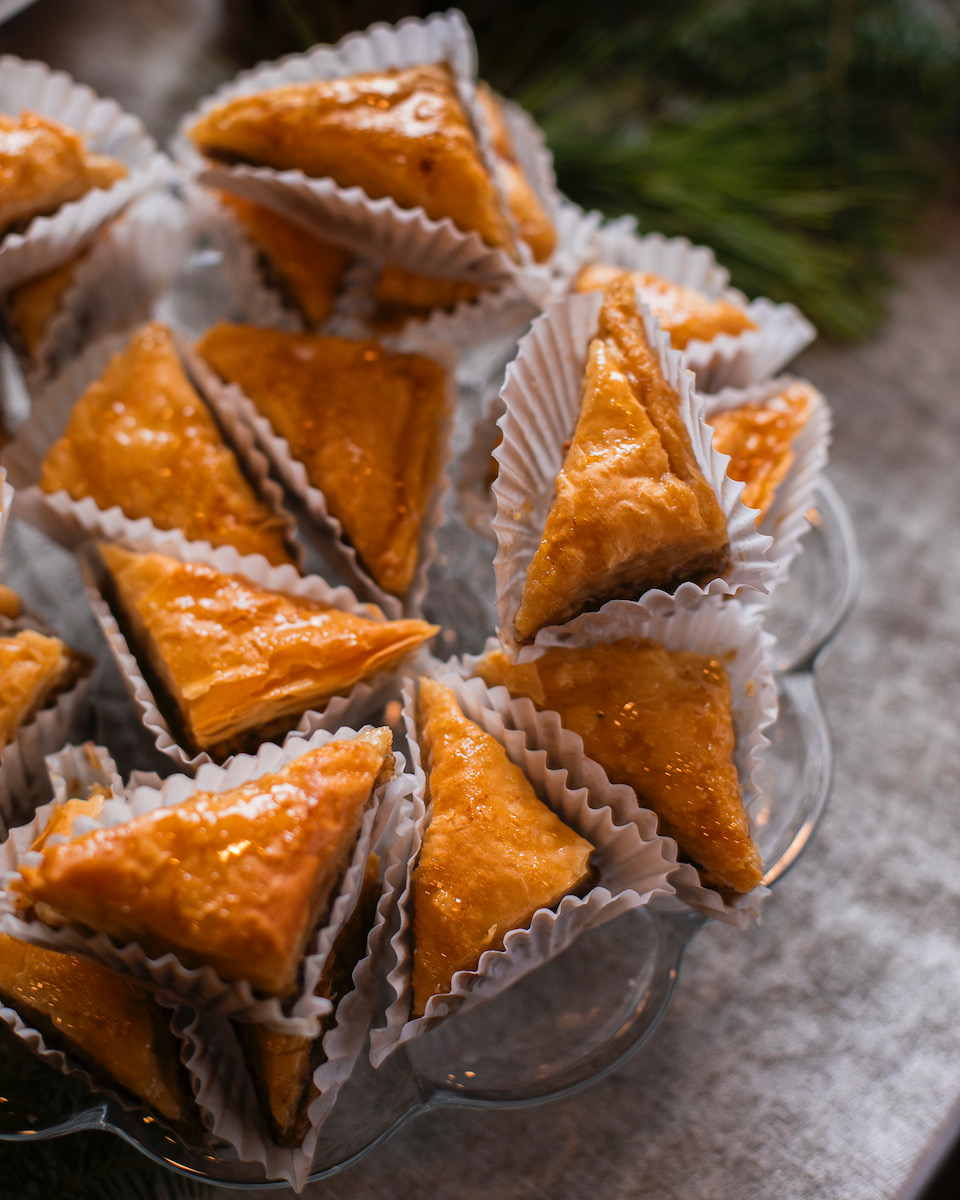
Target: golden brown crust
(237, 658)
(660, 721)
(683, 312)
(31, 306)
(367, 426)
(44, 165)
(398, 133)
(492, 854)
(33, 669)
(632, 509)
(237, 880)
(141, 438)
(401, 294)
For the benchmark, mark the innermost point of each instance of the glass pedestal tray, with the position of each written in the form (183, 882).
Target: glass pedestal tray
(576, 1019)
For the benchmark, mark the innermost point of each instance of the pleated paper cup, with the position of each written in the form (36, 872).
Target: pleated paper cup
(361, 702)
(71, 521)
(347, 215)
(6, 500)
(542, 396)
(721, 628)
(726, 360)
(786, 521)
(630, 859)
(49, 241)
(234, 407)
(201, 987)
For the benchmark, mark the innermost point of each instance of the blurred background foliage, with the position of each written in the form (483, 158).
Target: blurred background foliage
(801, 139)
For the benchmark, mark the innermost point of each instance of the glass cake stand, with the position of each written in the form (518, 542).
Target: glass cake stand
(574, 1020)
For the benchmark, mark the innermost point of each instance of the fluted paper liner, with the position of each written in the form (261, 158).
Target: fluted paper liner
(358, 703)
(167, 975)
(629, 857)
(224, 1091)
(234, 407)
(51, 240)
(786, 520)
(6, 500)
(727, 360)
(69, 521)
(542, 395)
(347, 215)
(721, 627)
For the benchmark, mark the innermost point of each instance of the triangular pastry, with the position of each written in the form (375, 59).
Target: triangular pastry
(44, 165)
(237, 880)
(660, 721)
(141, 438)
(759, 439)
(31, 306)
(493, 853)
(367, 426)
(398, 133)
(34, 668)
(107, 1020)
(683, 312)
(633, 510)
(242, 662)
(308, 269)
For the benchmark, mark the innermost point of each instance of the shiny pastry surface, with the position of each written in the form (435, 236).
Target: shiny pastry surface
(32, 668)
(141, 438)
(661, 721)
(399, 133)
(633, 510)
(309, 269)
(366, 424)
(31, 306)
(759, 439)
(237, 879)
(103, 1017)
(44, 165)
(236, 656)
(493, 852)
(684, 313)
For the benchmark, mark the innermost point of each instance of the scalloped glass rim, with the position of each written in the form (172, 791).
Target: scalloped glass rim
(616, 984)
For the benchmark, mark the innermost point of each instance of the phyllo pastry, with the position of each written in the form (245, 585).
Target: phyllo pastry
(31, 306)
(108, 1021)
(531, 220)
(282, 1065)
(633, 510)
(241, 662)
(759, 439)
(683, 312)
(660, 721)
(140, 438)
(401, 294)
(397, 133)
(34, 670)
(366, 424)
(493, 853)
(44, 165)
(237, 880)
(309, 270)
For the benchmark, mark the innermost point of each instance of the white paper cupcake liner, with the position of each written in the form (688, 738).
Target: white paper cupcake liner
(630, 859)
(69, 521)
(224, 1091)
(726, 360)
(724, 628)
(233, 406)
(786, 520)
(201, 986)
(107, 129)
(542, 395)
(359, 703)
(348, 216)
(6, 500)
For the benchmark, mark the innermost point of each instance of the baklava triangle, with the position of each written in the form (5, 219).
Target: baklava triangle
(237, 880)
(366, 424)
(34, 667)
(660, 721)
(140, 438)
(241, 662)
(397, 133)
(632, 510)
(493, 853)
